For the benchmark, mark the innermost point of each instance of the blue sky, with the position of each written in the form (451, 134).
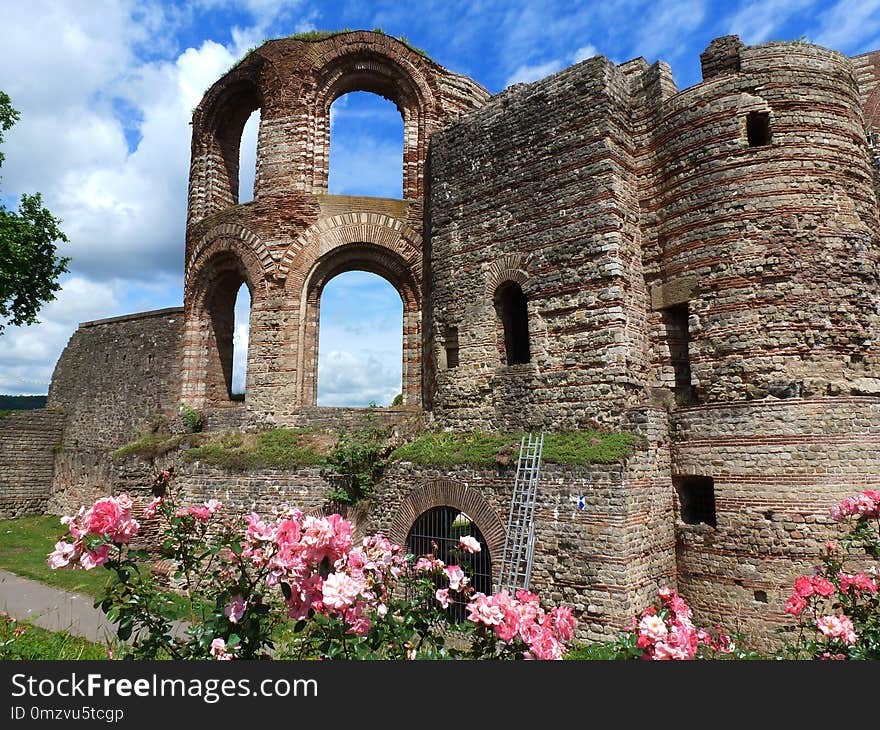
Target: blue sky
(106, 89)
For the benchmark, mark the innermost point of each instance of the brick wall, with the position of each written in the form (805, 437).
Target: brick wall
(28, 440)
(113, 379)
(778, 467)
(537, 188)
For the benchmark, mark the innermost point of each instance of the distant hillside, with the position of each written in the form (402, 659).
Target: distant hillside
(22, 402)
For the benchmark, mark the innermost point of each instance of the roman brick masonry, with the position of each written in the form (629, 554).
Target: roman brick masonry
(696, 266)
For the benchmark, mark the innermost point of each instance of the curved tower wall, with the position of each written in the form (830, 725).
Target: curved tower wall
(773, 248)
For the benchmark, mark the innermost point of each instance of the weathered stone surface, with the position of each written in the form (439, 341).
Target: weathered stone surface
(699, 266)
(28, 441)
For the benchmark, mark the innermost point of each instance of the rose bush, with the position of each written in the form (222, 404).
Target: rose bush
(837, 609)
(666, 631)
(290, 585)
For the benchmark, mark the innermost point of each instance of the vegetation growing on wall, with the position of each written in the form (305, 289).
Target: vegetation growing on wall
(320, 35)
(487, 449)
(279, 448)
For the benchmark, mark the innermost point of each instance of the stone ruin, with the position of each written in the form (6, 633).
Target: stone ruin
(696, 266)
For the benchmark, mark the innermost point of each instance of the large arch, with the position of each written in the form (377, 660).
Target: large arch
(373, 242)
(381, 65)
(218, 123)
(449, 493)
(359, 256)
(213, 280)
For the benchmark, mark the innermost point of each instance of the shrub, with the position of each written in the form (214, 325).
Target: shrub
(837, 608)
(190, 418)
(297, 576)
(358, 461)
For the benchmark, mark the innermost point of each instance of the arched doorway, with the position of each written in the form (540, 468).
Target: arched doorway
(397, 271)
(366, 146)
(437, 532)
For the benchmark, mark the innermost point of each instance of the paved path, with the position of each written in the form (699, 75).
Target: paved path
(55, 609)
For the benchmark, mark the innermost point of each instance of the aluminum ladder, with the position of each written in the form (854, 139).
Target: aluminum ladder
(519, 542)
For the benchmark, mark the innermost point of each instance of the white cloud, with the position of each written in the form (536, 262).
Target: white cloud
(357, 378)
(583, 53)
(123, 209)
(761, 21)
(851, 26)
(526, 74)
(29, 354)
(240, 339)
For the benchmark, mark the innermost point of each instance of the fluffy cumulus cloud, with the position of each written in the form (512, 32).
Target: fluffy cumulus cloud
(360, 347)
(104, 135)
(106, 90)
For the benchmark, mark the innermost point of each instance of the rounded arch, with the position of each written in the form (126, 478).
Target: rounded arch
(231, 237)
(510, 268)
(211, 289)
(376, 259)
(449, 493)
(381, 65)
(218, 122)
(339, 230)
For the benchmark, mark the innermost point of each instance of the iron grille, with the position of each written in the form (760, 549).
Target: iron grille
(437, 532)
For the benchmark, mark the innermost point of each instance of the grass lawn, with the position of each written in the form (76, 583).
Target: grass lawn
(24, 544)
(36, 643)
(26, 541)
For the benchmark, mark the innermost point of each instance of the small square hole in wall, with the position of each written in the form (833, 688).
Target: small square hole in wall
(758, 129)
(696, 499)
(761, 596)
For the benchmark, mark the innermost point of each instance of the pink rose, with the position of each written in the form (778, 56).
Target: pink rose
(469, 543)
(795, 604)
(837, 627)
(103, 516)
(219, 650)
(340, 591)
(803, 586)
(93, 558)
(235, 609)
(653, 628)
(563, 622)
(153, 507)
(823, 587)
(442, 595)
(61, 556)
(483, 611)
(457, 579)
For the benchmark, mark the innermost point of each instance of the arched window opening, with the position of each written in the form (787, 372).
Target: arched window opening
(366, 146)
(360, 344)
(437, 532)
(512, 307)
(240, 337)
(247, 167)
(220, 311)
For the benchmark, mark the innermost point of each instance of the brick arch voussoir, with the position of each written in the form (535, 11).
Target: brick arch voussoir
(201, 276)
(330, 233)
(513, 267)
(449, 493)
(390, 57)
(235, 238)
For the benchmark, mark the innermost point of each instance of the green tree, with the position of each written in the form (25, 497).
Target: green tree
(29, 265)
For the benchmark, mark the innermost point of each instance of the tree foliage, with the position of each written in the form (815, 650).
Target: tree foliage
(29, 265)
